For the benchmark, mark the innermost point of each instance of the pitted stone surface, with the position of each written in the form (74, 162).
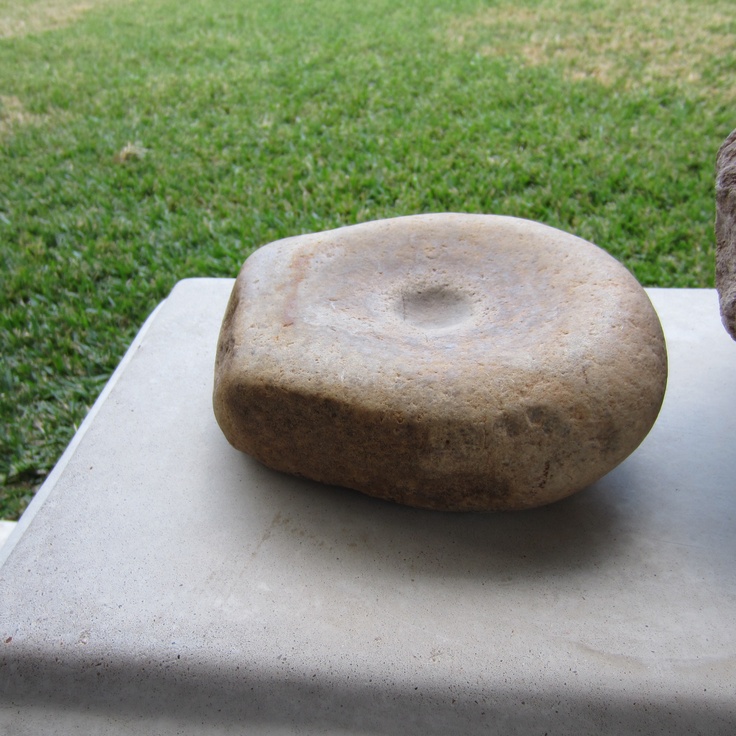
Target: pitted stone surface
(459, 362)
(726, 232)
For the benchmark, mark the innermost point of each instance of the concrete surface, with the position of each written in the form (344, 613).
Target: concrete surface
(161, 582)
(6, 529)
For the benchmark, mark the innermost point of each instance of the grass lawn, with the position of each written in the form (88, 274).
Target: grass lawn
(144, 141)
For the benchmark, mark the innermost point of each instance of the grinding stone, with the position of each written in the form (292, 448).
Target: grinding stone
(448, 361)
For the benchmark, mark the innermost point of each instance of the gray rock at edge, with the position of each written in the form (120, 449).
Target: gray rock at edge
(726, 232)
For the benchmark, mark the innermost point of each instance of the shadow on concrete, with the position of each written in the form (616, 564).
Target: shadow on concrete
(186, 696)
(585, 531)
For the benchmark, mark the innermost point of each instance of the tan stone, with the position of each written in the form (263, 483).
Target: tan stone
(461, 362)
(726, 232)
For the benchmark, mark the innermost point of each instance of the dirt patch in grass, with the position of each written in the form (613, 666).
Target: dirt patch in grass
(18, 18)
(629, 42)
(13, 113)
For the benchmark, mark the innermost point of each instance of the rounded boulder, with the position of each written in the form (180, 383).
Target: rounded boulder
(453, 362)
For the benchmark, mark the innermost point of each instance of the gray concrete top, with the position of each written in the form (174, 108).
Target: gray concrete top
(162, 582)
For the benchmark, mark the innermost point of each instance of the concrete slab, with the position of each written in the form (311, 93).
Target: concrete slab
(162, 582)
(6, 529)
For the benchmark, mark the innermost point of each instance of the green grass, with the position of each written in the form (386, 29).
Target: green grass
(144, 141)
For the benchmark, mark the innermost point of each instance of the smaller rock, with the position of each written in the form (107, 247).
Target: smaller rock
(726, 232)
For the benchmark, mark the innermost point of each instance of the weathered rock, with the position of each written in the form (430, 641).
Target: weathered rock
(726, 232)
(461, 362)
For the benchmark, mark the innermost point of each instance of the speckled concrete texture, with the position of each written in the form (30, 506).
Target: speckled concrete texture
(168, 584)
(455, 362)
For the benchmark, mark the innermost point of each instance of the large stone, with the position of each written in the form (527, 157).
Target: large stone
(726, 232)
(461, 362)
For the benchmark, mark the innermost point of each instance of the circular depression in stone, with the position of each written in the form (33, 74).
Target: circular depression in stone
(433, 307)
(456, 362)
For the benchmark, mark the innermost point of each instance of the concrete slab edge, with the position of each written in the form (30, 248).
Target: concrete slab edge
(6, 529)
(48, 485)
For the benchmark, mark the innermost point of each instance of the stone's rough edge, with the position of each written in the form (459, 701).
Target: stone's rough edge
(272, 452)
(726, 232)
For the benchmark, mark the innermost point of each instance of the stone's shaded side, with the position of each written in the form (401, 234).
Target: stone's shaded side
(726, 232)
(457, 362)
